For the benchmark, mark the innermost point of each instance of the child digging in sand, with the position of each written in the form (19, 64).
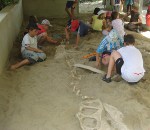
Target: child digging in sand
(42, 35)
(77, 27)
(128, 62)
(111, 42)
(30, 53)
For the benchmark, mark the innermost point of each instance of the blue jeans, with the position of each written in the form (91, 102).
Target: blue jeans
(33, 57)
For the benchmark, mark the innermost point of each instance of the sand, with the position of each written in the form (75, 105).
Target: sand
(47, 95)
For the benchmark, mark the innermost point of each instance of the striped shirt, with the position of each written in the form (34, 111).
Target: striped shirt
(111, 42)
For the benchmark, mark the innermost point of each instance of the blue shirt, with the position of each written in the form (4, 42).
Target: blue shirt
(111, 42)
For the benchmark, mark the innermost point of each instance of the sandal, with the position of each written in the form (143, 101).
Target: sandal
(108, 80)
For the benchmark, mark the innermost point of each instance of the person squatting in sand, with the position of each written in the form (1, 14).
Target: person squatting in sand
(128, 62)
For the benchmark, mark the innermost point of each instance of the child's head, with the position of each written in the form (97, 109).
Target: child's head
(32, 19)
(101, 14)
(114, 15)
(129, 39)
(33, 29)
(135, 8)
(96, 10)
(46, 24)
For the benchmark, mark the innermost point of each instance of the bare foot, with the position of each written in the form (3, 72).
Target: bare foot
(76, 47)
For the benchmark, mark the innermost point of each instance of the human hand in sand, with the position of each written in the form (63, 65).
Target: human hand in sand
(12, 67)
(97, 64)
(75, 46)
(40, 51)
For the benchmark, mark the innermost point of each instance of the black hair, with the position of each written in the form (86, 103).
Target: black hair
(114, 15)
(32, 26)
(129, 39)
(96, 10)
(32, 20)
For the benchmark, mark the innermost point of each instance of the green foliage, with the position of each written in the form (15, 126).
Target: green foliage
(4, 3)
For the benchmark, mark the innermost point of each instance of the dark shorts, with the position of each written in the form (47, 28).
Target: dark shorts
(119, 63)
(69, 4)
(83, 29)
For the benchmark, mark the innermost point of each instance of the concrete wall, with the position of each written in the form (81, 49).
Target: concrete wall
(45, 8)
(10, 22)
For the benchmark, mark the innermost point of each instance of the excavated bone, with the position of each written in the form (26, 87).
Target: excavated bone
(115, 117)
(74, 88)
(90, 116)
(68, 63)
(60, 52)
(86, 97)
(89, 68)
(92, 69)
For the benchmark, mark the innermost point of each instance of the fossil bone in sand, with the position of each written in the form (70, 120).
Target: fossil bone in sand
(89, 68)
(90, 116)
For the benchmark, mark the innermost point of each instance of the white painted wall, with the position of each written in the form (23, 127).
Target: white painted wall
(10, 22)
(45, 8)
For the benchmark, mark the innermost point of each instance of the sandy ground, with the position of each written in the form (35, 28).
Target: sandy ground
(47, 95)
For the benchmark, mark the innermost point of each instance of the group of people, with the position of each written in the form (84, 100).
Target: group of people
(34, 36)
(116, 48)
(117, 5)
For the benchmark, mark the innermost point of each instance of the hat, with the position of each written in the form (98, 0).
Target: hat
(33, 25)
(46, 22)
(101, 11)
(74, 25)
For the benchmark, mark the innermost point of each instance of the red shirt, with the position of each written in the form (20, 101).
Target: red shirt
(42, 29)
(148, 19)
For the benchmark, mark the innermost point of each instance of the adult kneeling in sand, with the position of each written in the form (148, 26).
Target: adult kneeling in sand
(29, 50)
(128, 61)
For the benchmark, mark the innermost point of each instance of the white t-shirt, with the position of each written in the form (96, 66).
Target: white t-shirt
(29, 41)
(119, 26)
(132, 69)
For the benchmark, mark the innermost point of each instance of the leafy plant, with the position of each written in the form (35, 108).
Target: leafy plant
(4, 3)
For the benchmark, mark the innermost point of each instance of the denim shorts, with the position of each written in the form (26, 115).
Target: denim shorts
(33, 57)
(69, 4)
